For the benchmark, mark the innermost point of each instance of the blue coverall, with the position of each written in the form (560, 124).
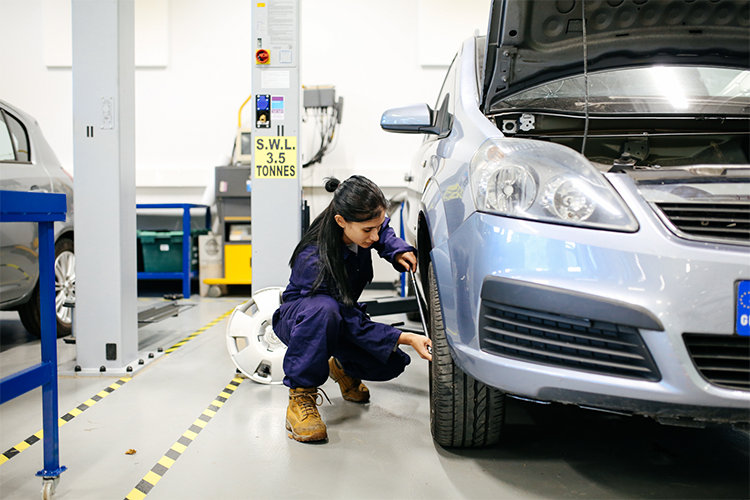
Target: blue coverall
(316, 326)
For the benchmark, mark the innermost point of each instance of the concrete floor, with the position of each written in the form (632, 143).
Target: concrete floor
(381, 450)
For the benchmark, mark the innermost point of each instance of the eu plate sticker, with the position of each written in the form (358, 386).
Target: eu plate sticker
(743, 308)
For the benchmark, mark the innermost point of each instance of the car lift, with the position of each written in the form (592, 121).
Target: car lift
(147, 316)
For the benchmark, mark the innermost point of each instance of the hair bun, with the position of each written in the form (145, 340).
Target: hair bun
(331, 183)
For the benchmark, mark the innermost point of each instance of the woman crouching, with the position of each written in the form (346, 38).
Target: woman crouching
(325, 330)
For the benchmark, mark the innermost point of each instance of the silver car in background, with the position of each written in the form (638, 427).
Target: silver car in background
(27, 163)
(583, 229)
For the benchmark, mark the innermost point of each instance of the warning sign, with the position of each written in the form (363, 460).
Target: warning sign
(275, 157)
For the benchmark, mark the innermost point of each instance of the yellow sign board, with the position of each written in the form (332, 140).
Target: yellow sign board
(276, 157)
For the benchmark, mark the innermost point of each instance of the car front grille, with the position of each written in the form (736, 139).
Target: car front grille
(723, 360)
(710, 221)
(577, 343)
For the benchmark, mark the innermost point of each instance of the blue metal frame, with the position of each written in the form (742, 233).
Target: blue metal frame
(186, 274)
(43, 208)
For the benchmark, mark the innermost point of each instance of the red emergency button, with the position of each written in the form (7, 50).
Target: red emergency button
(262, 56)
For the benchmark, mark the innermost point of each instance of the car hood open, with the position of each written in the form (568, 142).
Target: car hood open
(531, 42)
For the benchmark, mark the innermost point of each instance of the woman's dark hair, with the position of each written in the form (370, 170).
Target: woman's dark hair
(357, 199)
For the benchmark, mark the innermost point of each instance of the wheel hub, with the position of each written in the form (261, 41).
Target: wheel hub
(65, 280)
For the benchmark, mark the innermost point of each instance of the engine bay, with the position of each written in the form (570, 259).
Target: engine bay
(648, 142)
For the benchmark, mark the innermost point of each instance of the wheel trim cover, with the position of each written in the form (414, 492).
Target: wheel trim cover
(251, 341)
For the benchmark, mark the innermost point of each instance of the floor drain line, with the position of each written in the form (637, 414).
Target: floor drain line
(196, 333)
(162, 466)
(35, 438)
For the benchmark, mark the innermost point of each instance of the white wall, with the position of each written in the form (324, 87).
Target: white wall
(378, 53)
(187, 111)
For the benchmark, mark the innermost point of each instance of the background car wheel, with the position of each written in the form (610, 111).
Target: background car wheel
(65, 276)
(463, 411)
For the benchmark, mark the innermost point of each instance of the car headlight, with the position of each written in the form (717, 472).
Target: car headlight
(545, 182)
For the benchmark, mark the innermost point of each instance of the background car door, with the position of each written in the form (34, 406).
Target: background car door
(19, 265)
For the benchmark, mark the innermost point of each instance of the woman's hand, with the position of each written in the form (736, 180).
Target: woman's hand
(407, 260)
(420, 343)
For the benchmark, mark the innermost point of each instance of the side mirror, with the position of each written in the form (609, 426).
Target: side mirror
(414, 119)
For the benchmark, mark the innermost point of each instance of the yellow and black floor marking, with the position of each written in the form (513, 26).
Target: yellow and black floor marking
(34, 438)
(196, 333)
(162, 466)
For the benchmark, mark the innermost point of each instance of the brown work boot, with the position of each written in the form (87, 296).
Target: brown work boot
(352, 389)
(302, 417)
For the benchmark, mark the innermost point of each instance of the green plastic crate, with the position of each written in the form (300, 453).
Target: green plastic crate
(162, 250)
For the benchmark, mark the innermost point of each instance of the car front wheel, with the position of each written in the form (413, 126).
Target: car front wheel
(65, 277)
(463, 411)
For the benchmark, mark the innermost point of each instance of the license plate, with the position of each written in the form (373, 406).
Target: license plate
(743, 308)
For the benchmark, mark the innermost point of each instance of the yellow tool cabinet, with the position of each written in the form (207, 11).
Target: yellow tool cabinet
(237, 262)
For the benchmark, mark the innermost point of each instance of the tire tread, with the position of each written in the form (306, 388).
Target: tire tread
(464, 412)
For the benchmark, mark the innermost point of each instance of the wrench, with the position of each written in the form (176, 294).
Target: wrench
(420, 300)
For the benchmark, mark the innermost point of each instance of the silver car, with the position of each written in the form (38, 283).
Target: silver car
(27, 163)
(583, 228)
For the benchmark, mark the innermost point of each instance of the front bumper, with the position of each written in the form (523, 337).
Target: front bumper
(684, 286)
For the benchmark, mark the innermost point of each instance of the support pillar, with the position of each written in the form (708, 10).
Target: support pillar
(104, 159)
(277, 172)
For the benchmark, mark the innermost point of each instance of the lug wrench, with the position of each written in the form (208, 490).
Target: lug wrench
(420, 299)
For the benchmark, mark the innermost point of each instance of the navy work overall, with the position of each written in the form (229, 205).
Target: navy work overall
(316, 326)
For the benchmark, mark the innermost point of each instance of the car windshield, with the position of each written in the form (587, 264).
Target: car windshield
(649, 90)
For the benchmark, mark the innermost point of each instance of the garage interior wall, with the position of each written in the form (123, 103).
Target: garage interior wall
(193, 67)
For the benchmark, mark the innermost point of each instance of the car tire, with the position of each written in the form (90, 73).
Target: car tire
(64, 288)
(463, 411)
